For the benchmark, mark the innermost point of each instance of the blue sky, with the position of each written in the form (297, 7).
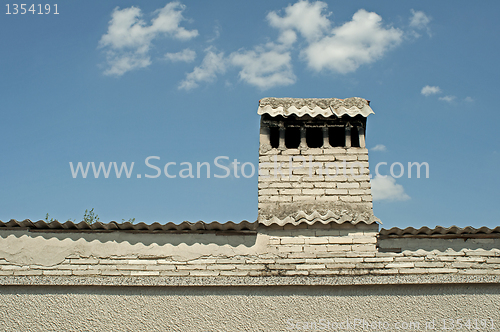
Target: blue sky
(119, 81)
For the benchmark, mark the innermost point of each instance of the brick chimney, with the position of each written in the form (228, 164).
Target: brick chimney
(313, 163)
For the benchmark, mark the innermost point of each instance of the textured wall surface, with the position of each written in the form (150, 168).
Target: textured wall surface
(245, 308)
(317, 250)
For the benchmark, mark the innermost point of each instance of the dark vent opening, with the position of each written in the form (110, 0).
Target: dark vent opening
(336, 136)
(292, 137)
(314, 137)
(274, 137)
(354, 137)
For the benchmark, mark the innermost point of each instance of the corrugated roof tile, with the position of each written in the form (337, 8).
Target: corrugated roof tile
(325, 107)
(185, 226)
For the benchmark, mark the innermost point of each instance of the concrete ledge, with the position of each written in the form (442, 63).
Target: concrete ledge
(248, 281)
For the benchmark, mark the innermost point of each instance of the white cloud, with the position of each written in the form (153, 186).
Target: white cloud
(419, 19)
(306, 18)
(213, 64)
(447, 99)
(216, 35)
(264, 67)
(386, 188)
(185, 55)
(119, 65)
(430, 90)
(129, 38)
(379, 147)
(469, 99)
(360, 41)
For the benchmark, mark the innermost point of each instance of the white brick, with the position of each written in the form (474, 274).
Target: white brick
(302, 198)
(292, 240)
(350, 198)
(268, 192)
(340, 240)
(400, 265)
(348, 185)
(290, 191)
(359, 192)
(327, 198)
(336, 191)
(206, 273)
(310, 266)
(313, 191)
(338, 247)
(334, 150)
(364, 247)
(325, 185)
(144, 273)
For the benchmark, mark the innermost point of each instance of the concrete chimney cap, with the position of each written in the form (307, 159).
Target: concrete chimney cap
(325, 107)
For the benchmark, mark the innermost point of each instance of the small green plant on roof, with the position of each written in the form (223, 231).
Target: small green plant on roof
(90, 217)
(47, 218)
(52, 219)
(131, 220)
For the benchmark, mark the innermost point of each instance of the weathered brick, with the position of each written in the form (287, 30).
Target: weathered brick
(347, 185)
(292, 240)
(191, 267)
(290, 191)
(364, 239)
(316, 192)
(86, 261)
(363, 247)
(290, 248)
(204, 273)
(290, 260)
(234, 273)
(340, 240)
(57, 272)
(162, 267)
(338, 247)
(350, 198)
(327, 198)
(324, 272)
(319, 260)
(28, 272)
(250, 267)
(86, 272)
(429, 264)
(341, 266)
(221, 267)
(296, 272)
(310, 266)
(316, 240)
(144, 273)
(174, 273)
(281, 266)
(336, 191)
(408, 259)
(347, 260)
(400, 265)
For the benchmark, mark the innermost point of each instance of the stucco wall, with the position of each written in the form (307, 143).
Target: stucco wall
(89, 308)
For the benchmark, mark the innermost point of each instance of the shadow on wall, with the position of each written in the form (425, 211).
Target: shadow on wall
(430, 244)
(146, 239)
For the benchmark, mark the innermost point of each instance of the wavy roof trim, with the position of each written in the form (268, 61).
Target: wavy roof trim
(338, 217)
(325, 107)
(440, 231)
(185, 226)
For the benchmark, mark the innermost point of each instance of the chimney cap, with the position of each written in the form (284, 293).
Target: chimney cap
(326, 107)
